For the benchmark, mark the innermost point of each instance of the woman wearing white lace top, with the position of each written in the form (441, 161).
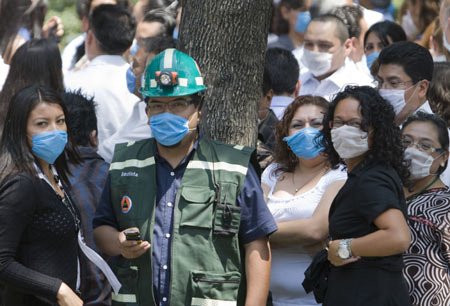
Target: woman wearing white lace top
(299, 188)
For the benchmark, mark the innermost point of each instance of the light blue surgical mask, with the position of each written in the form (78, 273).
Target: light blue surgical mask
(49, 145)
(134, 49)
(303, 20)
(371, 58)
(169, 129)
(131, 80)
(175, 33)
(305, 143)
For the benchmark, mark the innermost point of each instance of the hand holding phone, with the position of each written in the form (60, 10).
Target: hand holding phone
(134, 235)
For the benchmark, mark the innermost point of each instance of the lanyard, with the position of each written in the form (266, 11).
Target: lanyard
(87, 251)
(422, 190)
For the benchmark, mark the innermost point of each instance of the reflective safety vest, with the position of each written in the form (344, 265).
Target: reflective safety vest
(206, 259)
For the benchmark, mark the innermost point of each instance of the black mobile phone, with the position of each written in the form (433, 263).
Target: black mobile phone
(53, 36)
(133, 235)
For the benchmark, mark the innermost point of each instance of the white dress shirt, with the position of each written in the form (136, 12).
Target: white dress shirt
(327, 88)
(134, 129)
(105, 79)
(4, 70)
(69, 52)
(279, 104)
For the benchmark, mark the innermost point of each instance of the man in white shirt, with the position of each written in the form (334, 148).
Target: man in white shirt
(74, 50)
(110, 34)
(283, 71)
(327, 46)
(404, 75)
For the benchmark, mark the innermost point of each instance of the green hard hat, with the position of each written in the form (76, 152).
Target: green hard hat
(172, 73)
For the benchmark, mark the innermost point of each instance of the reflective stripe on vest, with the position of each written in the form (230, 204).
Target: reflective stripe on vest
(124, 298)
(132, 163)
(223, 166)
(210, 302)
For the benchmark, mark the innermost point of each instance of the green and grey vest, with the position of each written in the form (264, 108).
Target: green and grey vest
(206, 261)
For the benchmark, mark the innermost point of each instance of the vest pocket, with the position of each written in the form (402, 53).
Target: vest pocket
(128, 277)
(196, 207)
(218, 289)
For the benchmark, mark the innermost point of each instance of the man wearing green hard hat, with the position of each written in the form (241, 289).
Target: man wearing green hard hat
(184, 214)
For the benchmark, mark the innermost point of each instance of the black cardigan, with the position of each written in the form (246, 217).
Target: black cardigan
(38, 242)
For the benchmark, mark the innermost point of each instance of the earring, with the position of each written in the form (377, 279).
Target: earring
(442, 165)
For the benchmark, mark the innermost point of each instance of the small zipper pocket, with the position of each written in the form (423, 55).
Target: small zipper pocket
(219, 281)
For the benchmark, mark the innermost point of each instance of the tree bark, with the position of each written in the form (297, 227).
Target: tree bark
(228, 40)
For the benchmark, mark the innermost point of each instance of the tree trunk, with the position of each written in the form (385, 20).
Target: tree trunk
(228, 40)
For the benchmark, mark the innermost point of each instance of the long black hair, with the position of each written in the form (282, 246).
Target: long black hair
(38, 61)
(377, 114)
(15, 151)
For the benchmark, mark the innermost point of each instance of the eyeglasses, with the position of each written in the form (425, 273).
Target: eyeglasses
(177, 106)
(380, 84)
(421, 146)
(338, 123)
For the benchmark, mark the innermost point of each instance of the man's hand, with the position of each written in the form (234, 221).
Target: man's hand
(131, 248)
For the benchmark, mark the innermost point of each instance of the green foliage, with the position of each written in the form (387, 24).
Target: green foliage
(65, 9)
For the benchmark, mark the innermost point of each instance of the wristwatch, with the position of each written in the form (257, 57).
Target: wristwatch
(344, 250)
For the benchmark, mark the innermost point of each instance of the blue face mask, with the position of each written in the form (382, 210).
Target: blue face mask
(371, 58)
(303, 20)
(169, 129)
(131, 80)
(49, 145)
(134, 48)
(175, 33)
(305, 143)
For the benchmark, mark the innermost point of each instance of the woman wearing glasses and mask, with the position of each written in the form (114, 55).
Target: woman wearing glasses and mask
(367, 218)
(427, 261)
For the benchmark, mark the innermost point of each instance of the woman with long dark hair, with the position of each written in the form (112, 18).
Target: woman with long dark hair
(367, 219)
(38, 61)
(38, 221)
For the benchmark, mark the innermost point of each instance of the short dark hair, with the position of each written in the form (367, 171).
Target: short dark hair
(340, 31)
(351, 16)
(164, 17)
(377, 114)
(82, 119)
(38, 61)
(114, 28)
(283, 155)
(385, 31)
(415, 60)
(158, 44)
(440, 126)
(15, 152)
(266, 83)
(283, 69)
(439, 91)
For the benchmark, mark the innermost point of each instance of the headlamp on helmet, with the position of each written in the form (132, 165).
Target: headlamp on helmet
(166, 78)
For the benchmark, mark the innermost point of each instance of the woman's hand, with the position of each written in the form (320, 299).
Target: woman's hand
(53, 28)
(66, 297)
(333, 255)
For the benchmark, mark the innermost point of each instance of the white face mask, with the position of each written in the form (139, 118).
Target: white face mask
(396, 97)
(409, 26)
(318, 63)
(420, 163)
(445, 42)
(349, 141)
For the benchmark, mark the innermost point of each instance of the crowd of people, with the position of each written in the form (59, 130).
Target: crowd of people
(110, 194)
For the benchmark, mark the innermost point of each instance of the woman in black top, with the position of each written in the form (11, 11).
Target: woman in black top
(367, 219)
(38, 223)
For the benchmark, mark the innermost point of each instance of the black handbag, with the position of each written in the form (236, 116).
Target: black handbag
(316, 276)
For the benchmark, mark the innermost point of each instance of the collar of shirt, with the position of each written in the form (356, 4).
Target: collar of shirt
(88, 152)
(425, 108)
(115, 60)
(183, 163)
